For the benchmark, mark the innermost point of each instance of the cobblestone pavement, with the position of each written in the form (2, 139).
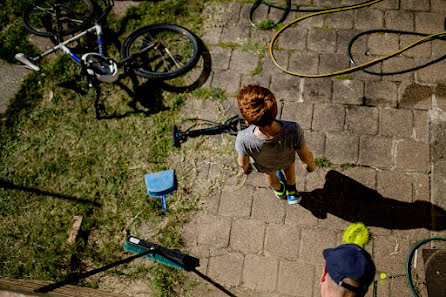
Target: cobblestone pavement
(390, 127)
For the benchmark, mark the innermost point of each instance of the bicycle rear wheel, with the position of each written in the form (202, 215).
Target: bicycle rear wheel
(40, 17)
(176, 51)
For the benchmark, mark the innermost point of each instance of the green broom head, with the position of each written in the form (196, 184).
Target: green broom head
(356, 233)
(161, 254)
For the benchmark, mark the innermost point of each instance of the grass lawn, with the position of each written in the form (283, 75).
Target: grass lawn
(58, 161)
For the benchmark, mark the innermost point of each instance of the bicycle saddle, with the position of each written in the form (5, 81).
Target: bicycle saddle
(103, 68)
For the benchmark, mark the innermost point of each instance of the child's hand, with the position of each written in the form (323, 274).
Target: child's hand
(311, 167)
(248, 169)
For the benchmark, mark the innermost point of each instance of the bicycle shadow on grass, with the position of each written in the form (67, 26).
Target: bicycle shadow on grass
(348, 199)
(147, 97)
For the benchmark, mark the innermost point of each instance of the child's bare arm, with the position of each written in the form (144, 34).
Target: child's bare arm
(243, 161)
(307, 157)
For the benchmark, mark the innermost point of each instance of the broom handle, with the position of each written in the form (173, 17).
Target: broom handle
(76, 277)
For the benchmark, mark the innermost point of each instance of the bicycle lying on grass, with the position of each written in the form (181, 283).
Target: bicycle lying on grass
(159, 51)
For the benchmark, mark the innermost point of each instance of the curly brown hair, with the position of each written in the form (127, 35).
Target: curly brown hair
(257, 105)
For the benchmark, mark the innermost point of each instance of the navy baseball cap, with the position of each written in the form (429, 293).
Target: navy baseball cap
(352, 261)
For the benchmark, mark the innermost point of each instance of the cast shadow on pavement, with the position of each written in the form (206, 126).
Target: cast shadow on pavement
(348, 199)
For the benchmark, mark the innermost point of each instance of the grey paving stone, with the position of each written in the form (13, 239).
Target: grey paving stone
(341, 20)
(189, 232)
(390, 253)
(362, 120)
(227, 80)
(213, 230)
(362, 75)
(260, 273)
(203, 254)
(211, 202)
(243, 62)
(313, 252)
(363, 175)
(400, 20)
(416, 96)
(375, 151)
(395, 185)
(235, 33)
(295, 277)
(267, 207)
(235, 201)
(423, 50)
(315, 180)
(301, 113)
(438, 5)
(268, 67)
(226, 268)
(261, 80)
(421, 187)
(282, 240)
(433, 73)
(438, 48)
(328, 117)
(413, 155)
(329, 63)
(230, 106)
(439, 184)
(212, 35)
(418, 5)
(381, 44)
(120, 7)
(438, 140)
(304, 62)
(368, 19)
(381, 93)
(421, 125)
(220, 14)
(399, 286)
(429, 22)
(220, 57)
(10, 78)
(261, 37)
(348, 92)
(342, 148)
(247, 235)
(294, 38)
(301, 173)
(311, 22)
(315, 142)
(397, 64)
(320, 40)
(343, 39)
(299, 216)
(285, 87)
(396, 122)
(388, 4)
(317, 90)
(440, 96)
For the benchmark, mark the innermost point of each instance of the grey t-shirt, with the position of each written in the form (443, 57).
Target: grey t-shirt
(272, 154)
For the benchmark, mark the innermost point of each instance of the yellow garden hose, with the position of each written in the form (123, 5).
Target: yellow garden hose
(356, 67)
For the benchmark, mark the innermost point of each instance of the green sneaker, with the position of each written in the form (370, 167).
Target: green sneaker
(281, 194)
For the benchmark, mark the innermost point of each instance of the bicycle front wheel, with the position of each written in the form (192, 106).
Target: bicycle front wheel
(174, 51)
(72, 15)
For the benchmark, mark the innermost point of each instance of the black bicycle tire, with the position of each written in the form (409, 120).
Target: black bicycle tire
(160, 27)
(71, 30)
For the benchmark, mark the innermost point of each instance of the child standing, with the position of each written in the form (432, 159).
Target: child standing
(269, 143)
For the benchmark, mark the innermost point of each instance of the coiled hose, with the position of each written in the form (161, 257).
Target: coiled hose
(355, 67)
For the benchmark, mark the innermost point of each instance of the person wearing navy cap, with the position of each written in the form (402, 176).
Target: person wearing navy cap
(349, 270)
